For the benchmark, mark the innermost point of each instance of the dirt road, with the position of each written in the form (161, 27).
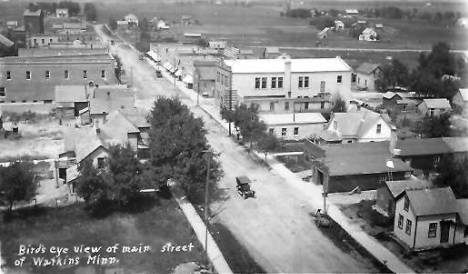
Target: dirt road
(276, 227)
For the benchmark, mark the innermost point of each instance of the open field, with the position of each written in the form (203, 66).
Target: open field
(154, 226)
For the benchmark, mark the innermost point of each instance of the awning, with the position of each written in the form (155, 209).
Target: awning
(188, 79)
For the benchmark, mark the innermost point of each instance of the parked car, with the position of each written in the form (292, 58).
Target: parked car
(243, 187)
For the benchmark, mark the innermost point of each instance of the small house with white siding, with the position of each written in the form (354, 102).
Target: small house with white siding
(339, 25)
(460, 101)
(367, 75)
(368, 34)
(294, 126)
(430, 218)
(434, 107)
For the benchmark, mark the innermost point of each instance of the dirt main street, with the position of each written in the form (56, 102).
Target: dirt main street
(275, 227)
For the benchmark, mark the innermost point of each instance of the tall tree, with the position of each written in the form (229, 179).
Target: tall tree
(91, 185)
(17, 183)
(178, 145)
(437, 126)
(112, 24)
(90, 12)
(394, 74)
(452, 172)
(268, 142)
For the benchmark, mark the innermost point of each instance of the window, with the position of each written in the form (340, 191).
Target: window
(286, 106)
(8, 75)
(2, 91)
(101, 162)
(379, 128)
(222, 80)
(365, 83)
(28, 75)
(257, 82)
(432, 230)
(226, 80)
(273, 82)
(272, 106)
(43, 41)
(66, 75)
(35, 41)
(264, 82)
(306, 105)
(283, 132)
(47, 74)
(406, 205)
(296, 131)
(300, 82)
(50, 40)
(322, 86)
(272, 130)
(103, 74)
(322, 105)
(280, 82)
(306, 81)
(339, 78)
(85, 74)
(400, 221)
(436, 160)
(408, 227)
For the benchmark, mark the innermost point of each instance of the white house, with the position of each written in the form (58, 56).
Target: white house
(357, 127)
(368, 34)
(339, 25)
(61, 13)
(352, 12)
(430, 218)
(323, 33)
(131, 19)
(294, 126)
(366, 76)
(434, 107)
(463, 22)
(162, 25)
(311, 81)
(217, 44)
(460, 101)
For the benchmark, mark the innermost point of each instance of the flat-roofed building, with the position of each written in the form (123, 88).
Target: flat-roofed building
(314, 83)
(33, 79)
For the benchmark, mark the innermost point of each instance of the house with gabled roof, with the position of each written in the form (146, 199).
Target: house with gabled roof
(271, 52)
(430, 218)
(434, 107)
(71, 99)
(366, 76)
(368, 34)
(5, 42)
(357, 127)
(294, 126)
(460, 101)
(391, 191)
(345, 167)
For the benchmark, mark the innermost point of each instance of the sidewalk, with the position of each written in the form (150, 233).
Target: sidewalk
(383, 255)
(216, 257)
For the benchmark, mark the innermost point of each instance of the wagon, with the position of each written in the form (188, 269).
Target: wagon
(243, 187)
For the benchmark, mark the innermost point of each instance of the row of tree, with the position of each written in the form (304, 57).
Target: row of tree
(74, 8)
(392, 12)
(427, 78)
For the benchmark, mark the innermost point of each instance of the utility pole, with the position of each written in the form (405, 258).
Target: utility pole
(206, 204)
(230, 109)
(198, 87)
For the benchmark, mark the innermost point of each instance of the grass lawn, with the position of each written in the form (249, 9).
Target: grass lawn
(71, 226)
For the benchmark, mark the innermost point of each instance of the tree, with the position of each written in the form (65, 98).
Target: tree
(17, 183)
(91, 185)
(268, 142)
(90, 12)
(179, 149)
(437, 126)
(144, 25)
(452, 172)
(73, 8)
(393, 74)
(112, 24)
(339, 106)
(144, 42)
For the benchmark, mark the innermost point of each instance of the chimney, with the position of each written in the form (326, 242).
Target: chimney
(394, 151)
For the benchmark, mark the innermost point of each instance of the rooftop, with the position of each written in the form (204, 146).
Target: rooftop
(47, 52)
(432, 146)
(360, 158)
(32, 13)
(432, 201)
(437, 103)
(5, 41)
(398, 187)
(464, 94)
(293, 118)
(353, 124)
(278, 65)
(462, 206)
(70, 94)
(367, 68)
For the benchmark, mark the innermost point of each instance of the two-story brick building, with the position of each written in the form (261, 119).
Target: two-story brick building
(284, 85)
(33, 78)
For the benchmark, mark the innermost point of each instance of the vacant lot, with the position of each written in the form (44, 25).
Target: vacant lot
(153, 227)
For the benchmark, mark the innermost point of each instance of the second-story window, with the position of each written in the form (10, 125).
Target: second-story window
(103, 74)
(280, 82)
(406, 204)
(47, 74)
(66, 75)
(322, 86)
(286, 106)
(300, 83)
(273, 82)
(28, 75)
(339, 78)
(85, 74)
(257, 82)
(264, 82)
(379, 128)
(8, 75)
(306, 81)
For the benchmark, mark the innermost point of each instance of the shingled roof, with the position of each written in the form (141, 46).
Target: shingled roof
(435, 201)
(367, 68)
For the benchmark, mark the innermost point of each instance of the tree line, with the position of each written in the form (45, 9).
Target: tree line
(74, 8)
